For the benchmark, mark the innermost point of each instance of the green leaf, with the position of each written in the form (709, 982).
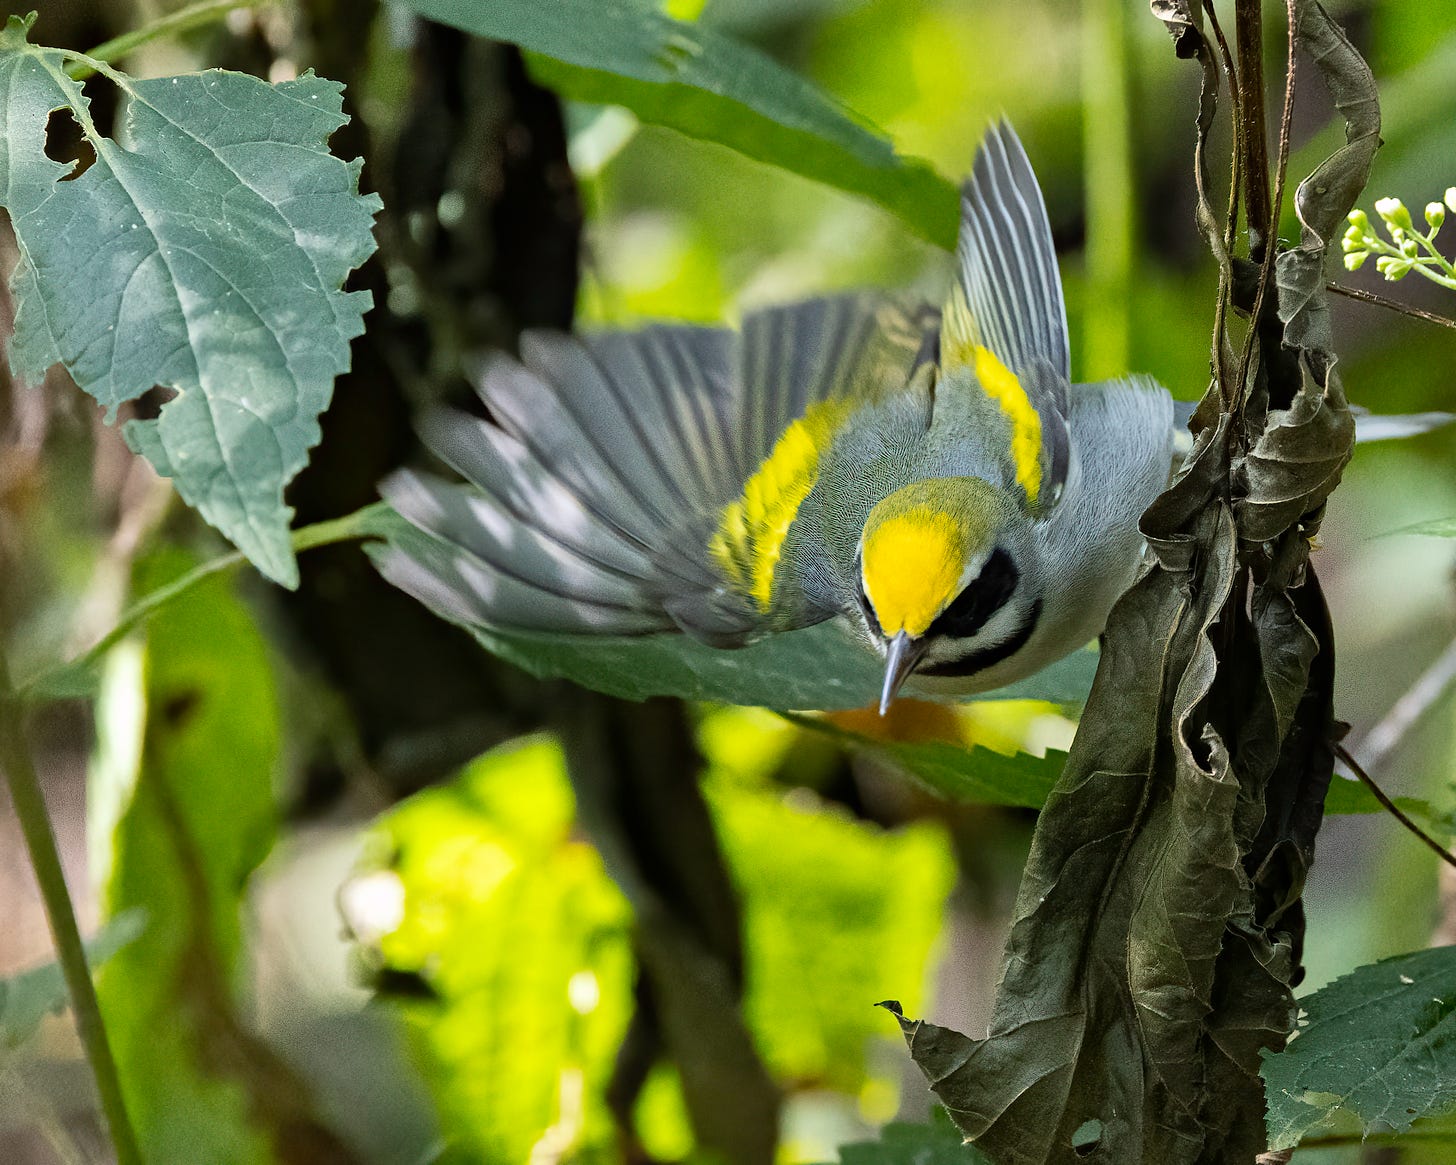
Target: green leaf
(837, 914)
(961, 774)
(1379, 1043)
(186, 823)
(901, 1143)
(203, 250)
(826, 667)
(708, 85)
(519, 944)
(27, 998)
(986, 777)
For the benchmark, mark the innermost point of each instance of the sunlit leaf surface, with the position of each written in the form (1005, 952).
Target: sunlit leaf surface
(509, 924)
(519, 944)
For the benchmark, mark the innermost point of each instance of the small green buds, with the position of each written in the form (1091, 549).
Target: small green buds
(1396, 217)
(1394, 267)
(1406, 249)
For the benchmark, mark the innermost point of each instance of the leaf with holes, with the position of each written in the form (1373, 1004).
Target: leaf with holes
(204, 251)
(1379, 1043)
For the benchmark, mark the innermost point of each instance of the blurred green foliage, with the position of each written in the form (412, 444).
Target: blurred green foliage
(502, 920)
(182, 823)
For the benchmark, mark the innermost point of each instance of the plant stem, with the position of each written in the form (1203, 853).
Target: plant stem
(353, 526)
(1249, 39)
(1382, 740)
(1392, 808)
(45, 860)
(1392, 304)
(197, 15)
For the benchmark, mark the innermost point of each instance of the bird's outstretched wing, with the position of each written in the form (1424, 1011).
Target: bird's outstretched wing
(636, 482)
(1004, 356)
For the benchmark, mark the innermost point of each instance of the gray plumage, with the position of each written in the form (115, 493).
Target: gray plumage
(602, 489)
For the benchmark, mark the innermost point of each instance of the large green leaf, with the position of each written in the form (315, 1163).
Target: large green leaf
(826, 667)
(498, 920)
(980, 775)
(708, 85)
(183, 817)
(204, 251)
(837, 914)
(1379, 1043)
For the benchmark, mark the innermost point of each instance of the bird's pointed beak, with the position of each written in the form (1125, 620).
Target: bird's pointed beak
(900, 660)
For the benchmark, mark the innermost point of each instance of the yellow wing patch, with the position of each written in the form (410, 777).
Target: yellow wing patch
(961, 347)
(751, 532)
(1002, 386)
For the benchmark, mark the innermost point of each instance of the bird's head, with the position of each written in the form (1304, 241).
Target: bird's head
(942, 585)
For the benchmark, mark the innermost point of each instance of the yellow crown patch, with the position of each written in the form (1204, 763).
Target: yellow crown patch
(916, 547)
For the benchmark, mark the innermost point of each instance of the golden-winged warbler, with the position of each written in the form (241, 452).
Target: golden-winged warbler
(932, 477)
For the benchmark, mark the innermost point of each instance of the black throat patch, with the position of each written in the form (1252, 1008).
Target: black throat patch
(984, 657)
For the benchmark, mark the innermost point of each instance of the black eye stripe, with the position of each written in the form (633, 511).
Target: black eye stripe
(981, 659)
(869, 612)
(970, 610)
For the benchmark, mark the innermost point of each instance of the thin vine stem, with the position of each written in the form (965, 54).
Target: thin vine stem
(349, 528)
(184, 20)
(1392, 808)
(30, 807)
(45, 860)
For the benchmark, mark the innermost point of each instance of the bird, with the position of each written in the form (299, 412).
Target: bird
(930, 476)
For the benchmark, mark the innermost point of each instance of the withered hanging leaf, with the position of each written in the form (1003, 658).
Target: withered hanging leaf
(1326, 196)
(1185, 24)
(1158, 930)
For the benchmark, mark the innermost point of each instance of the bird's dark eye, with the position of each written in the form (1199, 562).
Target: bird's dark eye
(983, 597)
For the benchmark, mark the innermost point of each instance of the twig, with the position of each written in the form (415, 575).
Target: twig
(45, 860)
(1262, 231)
(1249, 37)
(1392, 808)
(1392, 304)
